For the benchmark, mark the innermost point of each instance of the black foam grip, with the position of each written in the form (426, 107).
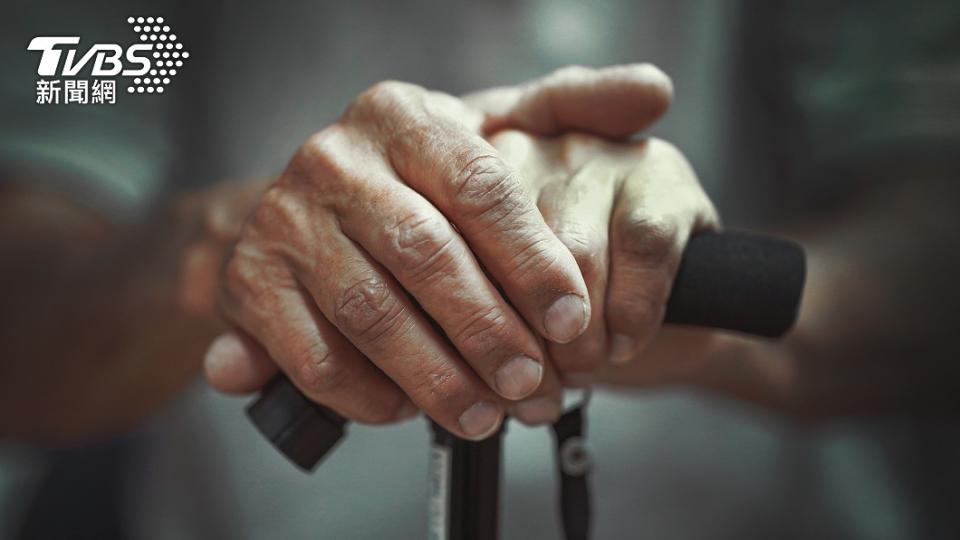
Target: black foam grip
(730, 280)
(301, 429)
(738, 281)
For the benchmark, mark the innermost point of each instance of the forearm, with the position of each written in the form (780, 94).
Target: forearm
(96, 338)
(874, 332)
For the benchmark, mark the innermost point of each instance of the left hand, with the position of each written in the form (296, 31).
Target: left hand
(625, 211)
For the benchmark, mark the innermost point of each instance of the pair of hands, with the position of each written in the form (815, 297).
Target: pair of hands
(465, 257)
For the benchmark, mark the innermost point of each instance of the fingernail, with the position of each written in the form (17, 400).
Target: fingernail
(480, 420)
(621, 348)
(537, 411)
(407, 411)
(224, 353)
(566, 318)
(578, 380)
(518, 378)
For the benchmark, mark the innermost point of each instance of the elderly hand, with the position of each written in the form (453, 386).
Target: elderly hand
(625, 211)
(401, 261)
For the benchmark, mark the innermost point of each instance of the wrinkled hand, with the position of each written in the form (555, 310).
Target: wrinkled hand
(403, 257)
(625, 211)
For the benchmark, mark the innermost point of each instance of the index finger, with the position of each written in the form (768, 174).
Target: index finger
(449, 163)
(612, 101)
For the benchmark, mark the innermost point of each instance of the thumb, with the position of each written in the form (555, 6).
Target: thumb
(612, 102)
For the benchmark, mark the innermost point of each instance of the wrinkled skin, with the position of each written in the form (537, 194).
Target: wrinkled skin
(419, 255)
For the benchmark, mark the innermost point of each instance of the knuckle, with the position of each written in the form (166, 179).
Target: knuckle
(484, 184)
(519, 141)
(317, 146)
(387, 91)
(687, 185)
(588, 247)
(409, 133)
(319, 370)
(275, 202)
(442, 388)
(422, 245)
(369, 312)
(247, 281)
(666, 153)
(664, 149)
(481, 331)
(320, 158)
(383, 96)
(650, 240)
(281, 214)
(536, 257)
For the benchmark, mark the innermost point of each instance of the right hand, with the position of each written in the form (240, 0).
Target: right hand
(396, 264)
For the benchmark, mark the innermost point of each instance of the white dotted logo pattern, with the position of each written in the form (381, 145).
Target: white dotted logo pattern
(167, 57)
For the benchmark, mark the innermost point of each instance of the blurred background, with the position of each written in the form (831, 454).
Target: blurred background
(785, 109)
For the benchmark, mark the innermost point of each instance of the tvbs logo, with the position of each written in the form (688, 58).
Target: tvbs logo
(151, 63)
(107, 57)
